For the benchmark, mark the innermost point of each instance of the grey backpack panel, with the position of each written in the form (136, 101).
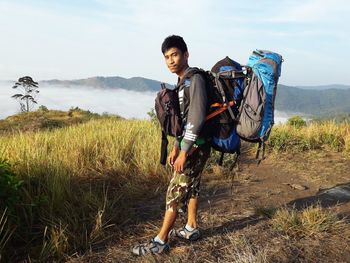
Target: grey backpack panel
(252, 110)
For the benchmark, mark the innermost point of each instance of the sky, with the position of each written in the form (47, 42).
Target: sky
(73, 39)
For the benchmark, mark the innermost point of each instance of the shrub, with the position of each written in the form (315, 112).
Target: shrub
(9, 186)
(43, 108)
(296, 121)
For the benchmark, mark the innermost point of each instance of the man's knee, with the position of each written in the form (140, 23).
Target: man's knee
(171, 207)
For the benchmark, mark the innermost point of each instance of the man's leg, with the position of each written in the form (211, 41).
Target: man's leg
(196, 165)
(170, 217)
(192, 212)
(177, 189)
(168, 222)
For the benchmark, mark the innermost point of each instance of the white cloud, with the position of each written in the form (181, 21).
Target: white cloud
(312, 11)
(128, 104)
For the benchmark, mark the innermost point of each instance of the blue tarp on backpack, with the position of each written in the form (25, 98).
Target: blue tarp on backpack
(269, 76)
(257, 110)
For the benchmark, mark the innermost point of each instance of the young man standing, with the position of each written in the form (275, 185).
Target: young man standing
(189, 153)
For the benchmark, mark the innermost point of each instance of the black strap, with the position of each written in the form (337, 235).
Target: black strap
(234, 172)
(190, 74)
(164, 149)
(261, 149)
(233, 165)
(222, 92)
(220, 161)
(231, 74)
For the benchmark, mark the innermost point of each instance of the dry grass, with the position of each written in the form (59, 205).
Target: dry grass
(80, 180)
(240, 250)
(309, 222)
(315, 136)
(5, 232)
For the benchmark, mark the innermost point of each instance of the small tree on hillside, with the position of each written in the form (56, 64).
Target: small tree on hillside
(296, 121)
(28, 91)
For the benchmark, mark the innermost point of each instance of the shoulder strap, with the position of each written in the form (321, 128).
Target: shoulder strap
(191, 73)
(164, 149)
(260, 153)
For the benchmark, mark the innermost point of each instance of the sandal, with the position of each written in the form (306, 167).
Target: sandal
(151, 247)
(186, 234)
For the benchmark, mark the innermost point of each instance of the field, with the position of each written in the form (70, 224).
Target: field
(86, 190)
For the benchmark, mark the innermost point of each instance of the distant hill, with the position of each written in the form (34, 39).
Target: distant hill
(313, 102)
(135, 83)
(324, 87)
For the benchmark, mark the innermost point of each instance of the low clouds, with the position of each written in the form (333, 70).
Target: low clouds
(128, 104)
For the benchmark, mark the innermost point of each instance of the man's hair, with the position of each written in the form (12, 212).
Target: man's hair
(174, 41)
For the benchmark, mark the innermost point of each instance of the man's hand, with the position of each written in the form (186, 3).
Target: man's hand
(173, 155)
(180, 162)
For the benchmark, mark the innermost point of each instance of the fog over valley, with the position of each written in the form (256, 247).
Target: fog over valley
(128, 104)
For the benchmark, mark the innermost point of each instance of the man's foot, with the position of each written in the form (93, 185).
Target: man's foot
(151, 247)
(186, 234)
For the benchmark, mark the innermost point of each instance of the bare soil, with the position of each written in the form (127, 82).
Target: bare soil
(235, 216)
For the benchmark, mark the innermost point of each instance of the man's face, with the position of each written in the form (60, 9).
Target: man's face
(176, 60)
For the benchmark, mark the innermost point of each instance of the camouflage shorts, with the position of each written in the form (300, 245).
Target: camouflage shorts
(186, 185)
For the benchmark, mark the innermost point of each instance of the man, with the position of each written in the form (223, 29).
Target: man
(189, 153)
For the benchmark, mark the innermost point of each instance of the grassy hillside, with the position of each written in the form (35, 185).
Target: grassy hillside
(44, 119)
(66, 188)
(74, 182)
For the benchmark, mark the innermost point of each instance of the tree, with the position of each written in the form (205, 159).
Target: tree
(296, 121)
(29, 90)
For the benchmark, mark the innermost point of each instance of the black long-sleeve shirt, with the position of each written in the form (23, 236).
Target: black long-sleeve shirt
(194, 106)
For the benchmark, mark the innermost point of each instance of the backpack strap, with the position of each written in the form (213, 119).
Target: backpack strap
(220, 161)
(235, 164)
(190, 74)
(261, 149)
(218, 84)
(221, 108)
(164, 149)
(231, 74)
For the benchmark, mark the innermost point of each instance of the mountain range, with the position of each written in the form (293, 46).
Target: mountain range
(136, 83)
(324, 87)
(308, 100)
(323, 102)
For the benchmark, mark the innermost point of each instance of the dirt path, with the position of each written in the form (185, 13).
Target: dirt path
(235, 218)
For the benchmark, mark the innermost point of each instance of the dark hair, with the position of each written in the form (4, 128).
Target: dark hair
(174, 41)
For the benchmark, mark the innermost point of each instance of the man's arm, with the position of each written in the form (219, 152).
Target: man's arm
(197, 111)
(195, 120)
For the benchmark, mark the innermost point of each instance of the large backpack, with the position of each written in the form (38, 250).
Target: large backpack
(225, 93)
(256, 113)
(168, 113)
